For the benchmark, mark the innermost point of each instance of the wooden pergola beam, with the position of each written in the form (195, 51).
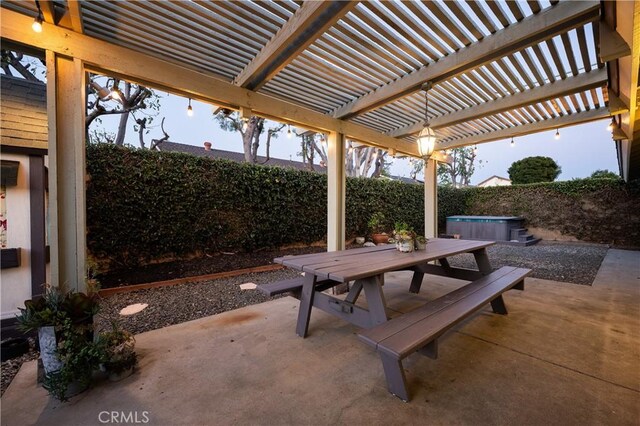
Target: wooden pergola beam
(308, 23)
(579, 83)
(532, 30)
(104, 57)
(526, 129)
(612, 45)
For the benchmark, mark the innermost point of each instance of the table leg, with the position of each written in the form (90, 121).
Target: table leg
(375, 299)
(482, 260)
(306, 302)
(416, 282)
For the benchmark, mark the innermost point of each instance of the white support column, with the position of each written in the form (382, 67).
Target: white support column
(336, 184)
(430, 199)
(66, 114)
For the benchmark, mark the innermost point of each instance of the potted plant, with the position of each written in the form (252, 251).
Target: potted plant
(377, 225)
(119, 352)
(64, 322)
(421, 243)
(404, 236)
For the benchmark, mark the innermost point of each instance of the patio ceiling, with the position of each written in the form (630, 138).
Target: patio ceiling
(499, 68)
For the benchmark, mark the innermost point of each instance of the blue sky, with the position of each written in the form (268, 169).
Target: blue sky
(580, 150)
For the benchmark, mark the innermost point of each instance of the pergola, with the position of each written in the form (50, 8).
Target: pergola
(352, 70)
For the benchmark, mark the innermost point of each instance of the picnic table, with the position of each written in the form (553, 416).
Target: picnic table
(365, 267)
(417, 330)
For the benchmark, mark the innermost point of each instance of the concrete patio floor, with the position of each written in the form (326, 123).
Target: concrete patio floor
(566, 354)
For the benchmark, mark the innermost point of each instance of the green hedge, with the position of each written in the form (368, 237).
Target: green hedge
(144, 205)
(594, 210)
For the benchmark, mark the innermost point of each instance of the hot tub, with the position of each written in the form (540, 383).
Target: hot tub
(489, 228)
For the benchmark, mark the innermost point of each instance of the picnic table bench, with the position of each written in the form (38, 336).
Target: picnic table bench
(420, 329)
(417, 330)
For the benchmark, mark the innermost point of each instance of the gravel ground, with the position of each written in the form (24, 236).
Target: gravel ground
(10, 367)
(185, 302)
(566, 262)
(576, 263)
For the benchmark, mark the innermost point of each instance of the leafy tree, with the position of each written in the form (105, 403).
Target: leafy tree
(458, 172)
(604, 174)
(533, 170)
(250, 130)
(111, 96)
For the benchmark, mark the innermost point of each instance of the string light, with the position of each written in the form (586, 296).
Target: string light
(37, 23)
(289, 132)
(557, 136)
(612, 124)
(475, 148)
(115, 94)
(190, 109)
(245, 123)
(512, 142)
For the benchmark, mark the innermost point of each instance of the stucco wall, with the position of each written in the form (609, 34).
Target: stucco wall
(15, 283)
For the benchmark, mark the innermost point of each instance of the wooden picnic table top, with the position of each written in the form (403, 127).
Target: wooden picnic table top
(350, 265)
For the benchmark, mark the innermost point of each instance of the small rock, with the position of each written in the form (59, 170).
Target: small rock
(369, 244)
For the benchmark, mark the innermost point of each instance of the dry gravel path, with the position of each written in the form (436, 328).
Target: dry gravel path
(566, 262)
(576, 263)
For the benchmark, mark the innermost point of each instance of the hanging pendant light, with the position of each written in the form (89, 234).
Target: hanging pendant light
(512, 142)
(289, 132)
(557, 135)
(612, 125)
(427, 137)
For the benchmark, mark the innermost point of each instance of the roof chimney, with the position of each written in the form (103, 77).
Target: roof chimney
(207, 146)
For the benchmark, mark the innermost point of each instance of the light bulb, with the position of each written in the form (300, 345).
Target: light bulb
(557, 136)
(116, 95)
(512, 143)
(289, 133)
(37, 23)
(612, 125)
(190, 109)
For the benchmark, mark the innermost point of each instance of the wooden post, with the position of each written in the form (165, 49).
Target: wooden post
(335, 192)
(66, 115)
(430, 199)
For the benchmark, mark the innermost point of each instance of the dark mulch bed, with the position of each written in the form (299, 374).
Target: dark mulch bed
(208, 264)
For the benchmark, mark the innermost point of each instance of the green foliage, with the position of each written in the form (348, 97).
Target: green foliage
(80, 356)
(377, 223)
(144, 205)
(604, 174)
(596, 210)
(459, 171)
(534, 170)
(55, 307)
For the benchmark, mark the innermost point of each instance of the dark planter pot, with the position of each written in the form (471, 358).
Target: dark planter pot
(13, 348)
(380, 238)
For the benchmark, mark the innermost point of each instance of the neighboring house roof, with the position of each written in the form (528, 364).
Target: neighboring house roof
(24, 113)
(234, 156)
(494, 177)
(405, 179)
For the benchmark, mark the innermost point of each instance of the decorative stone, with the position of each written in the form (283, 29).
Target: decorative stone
(369, 244)
(248, 286)
(133, 309)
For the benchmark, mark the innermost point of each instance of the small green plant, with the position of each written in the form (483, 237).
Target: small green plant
(71, 316)
(79, 355)
(119, 349)
(377, 223)
(403, 232)
(55, 307)
(420, 239)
